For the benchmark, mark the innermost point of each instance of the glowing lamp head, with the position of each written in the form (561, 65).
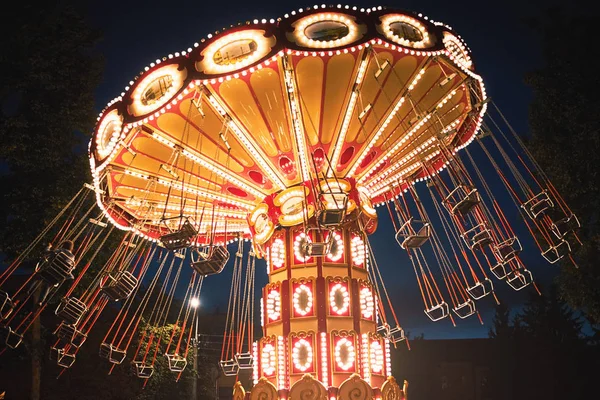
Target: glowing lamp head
(194, 302)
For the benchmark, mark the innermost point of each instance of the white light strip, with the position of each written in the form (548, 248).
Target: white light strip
(388, 359)
(415, 128)
(244, 138)
(297, 122)
(385, 124)
(399, 143)
(281, 368)
(207, 163)
(255, 363)
(189, 189)
(324, 365)
(349, 112)
(365, 359)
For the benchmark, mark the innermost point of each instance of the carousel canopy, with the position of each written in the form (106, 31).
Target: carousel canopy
(208, 133)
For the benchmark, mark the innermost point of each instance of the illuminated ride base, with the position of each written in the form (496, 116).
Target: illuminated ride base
(288, 131)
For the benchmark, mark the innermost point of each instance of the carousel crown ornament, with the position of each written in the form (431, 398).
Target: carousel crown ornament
(289, 133)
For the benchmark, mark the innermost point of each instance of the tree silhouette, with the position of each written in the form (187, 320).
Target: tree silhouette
(565, 139)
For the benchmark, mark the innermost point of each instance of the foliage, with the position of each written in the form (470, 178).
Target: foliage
(565, 140)
(49, 74)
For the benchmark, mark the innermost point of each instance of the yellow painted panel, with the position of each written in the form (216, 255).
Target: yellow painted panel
(239, 99)
(340, 74)
(267, 86)
(174, 125)
(421, 93)
(211, 125)
(309, 75)
(402, 73)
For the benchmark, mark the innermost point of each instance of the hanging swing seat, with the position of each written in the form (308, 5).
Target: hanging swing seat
(557, 251)
(211, 262)
(142, 369)
(465, 309)
(229, 367)
(413, 234)
(62, 357)
(519, 278)
(333, 208)
(384, 330)
(70, 334)
(70, 310)
(438, 312)
(118, 285)
(57, 267)
(481, 289)
(565, 225)
(317, 249)
(12, 339)
(6, 305)
(478, 237)
(462, 200)
(112, 353)
(396, 334)
(244, 360)
(180, 238)
(500, 270)
(507, 250)
(538, 205)
(177, 363)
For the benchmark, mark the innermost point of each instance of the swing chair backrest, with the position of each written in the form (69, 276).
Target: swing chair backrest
(408, 237)
(438, 312)
(461, 200)
(6, 305)
(143, 370)
(333, 207)
(112, 353)
(557, 251)
(64, 359)
(180, 238)
(176, 362)
(538, 205)
(244, 360)
(507, 250)
(12, 339)
(481, 289)
(500, 270)
(229, 367)
(57, 267)
(317, 249)
(396, 334)
(70, 310)
(211, 262)
(519, 278)
(119, 285)
(384, 330)
(465, 309)
(565, 225)
(65, 332)
(478, 236)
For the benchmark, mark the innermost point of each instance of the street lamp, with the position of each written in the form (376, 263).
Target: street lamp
(195, 303)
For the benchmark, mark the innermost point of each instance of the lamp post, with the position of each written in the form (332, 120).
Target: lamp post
(195, 303)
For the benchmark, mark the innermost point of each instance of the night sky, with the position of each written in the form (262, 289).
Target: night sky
(503, 50)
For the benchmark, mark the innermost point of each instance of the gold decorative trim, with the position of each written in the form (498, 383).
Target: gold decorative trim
(263, 390)
(391, 391)
(355, 388)
(238, 391)
(308, 388)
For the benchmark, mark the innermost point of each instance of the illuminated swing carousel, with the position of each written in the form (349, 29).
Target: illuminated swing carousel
(288, 133)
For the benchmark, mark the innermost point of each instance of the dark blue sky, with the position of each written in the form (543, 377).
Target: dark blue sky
(504, 49)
